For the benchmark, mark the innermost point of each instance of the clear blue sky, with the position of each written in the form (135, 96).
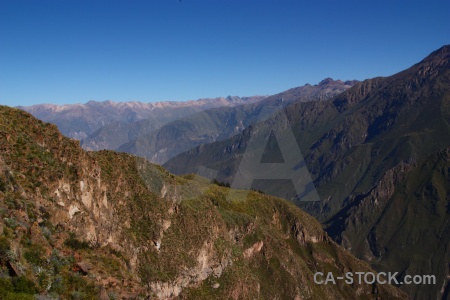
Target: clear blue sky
(74, 51)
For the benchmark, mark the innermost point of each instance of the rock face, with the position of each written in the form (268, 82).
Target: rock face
(98, 225)
(354, 146)
(413, 202)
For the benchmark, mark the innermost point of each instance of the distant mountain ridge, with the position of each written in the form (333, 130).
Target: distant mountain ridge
(78, 121)
(159, 131)
(218, 124)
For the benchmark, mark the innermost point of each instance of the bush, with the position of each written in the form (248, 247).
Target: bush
(225, 184)
(9, 292)
(35, 255)
(24, 285)
(76, 287)
(2, 185)
(11, 222)
(5, 287)
(74, 243)
(4, 248)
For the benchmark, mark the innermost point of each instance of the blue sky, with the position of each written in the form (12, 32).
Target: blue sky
(74, 51)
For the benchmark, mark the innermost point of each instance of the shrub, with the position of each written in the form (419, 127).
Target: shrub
(24, 285)
(11, 222)
(225, 184)
(74, 243)
(5, 287)
(2, 185)
(35, 255)
(4, 249)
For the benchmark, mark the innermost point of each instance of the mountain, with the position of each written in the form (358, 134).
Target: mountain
(377, 157)
(110, 123)
(102, 225)
(402, 223)
(217, 124)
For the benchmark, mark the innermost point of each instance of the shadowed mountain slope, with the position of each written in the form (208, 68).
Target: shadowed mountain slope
(221, 123)
(350, 144)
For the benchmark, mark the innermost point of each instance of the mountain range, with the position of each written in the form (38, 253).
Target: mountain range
(160, 131)
(221, 123)
(378, 158)
(108, 124)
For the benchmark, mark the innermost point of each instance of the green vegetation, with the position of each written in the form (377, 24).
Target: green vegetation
(19, 288)
(225, 184)
(74, 243)
(35, 255)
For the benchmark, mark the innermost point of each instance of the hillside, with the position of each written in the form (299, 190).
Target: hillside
(102, 225)
(350, 145)
(404, 220)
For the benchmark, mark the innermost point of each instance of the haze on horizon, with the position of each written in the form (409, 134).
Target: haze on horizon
(74, 51)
